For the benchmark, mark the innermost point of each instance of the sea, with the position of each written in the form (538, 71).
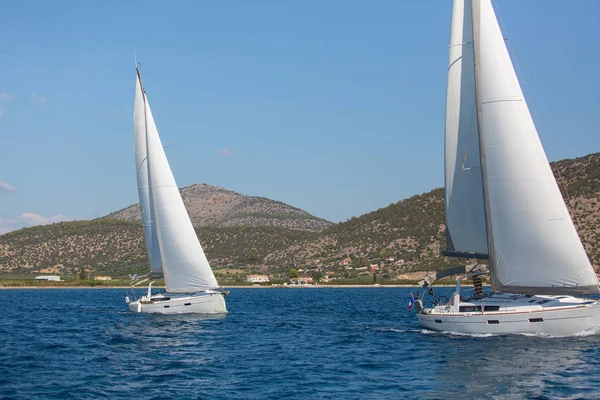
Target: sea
(275, 343)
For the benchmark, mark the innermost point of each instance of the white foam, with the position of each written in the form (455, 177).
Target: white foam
(397, 330)
(474, 335)
(589, 332)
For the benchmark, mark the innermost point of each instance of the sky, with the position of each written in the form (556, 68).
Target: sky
(336, 107)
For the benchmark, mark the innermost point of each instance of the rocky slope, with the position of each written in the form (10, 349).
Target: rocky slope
(213, 206)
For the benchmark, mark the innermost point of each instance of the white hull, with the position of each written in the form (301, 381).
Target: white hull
(544, 315)
(181, 303)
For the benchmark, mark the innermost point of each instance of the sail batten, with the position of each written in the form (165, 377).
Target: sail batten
(183, 263)
(534, 245)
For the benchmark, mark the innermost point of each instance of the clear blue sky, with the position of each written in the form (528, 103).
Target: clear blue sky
(333, 106)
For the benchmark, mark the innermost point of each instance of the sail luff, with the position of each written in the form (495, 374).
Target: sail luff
(534, 246)
(185, 266)
(465, 218)
(141, 163)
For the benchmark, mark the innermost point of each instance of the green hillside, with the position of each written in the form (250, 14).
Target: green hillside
(405, 236)
(116, 247)
(412, 231)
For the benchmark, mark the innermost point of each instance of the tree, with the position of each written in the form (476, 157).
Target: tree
(293, 273)
(253, 256)
(316, 275)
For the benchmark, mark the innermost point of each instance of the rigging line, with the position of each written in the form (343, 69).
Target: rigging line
(560, 180)
(470, 134)
(459, 44)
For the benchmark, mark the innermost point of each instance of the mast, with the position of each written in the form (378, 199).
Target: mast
(475, 23)
(143, 177)
(151, 186)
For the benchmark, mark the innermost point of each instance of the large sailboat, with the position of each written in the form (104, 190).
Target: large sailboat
(502, 201)
(173, 247)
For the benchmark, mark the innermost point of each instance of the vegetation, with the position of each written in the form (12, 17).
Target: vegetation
(107, 247)
(390, 242)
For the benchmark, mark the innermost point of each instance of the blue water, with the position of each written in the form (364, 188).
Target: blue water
(274, 344)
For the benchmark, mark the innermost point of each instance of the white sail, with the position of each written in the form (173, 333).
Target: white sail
(535, 246)
(465, 215)
(141, 166)
(184, 264)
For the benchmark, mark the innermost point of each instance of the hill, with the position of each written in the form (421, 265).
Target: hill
(104, 246)
(405, 236)
(411, 232)
(213, 206)
(116, 247)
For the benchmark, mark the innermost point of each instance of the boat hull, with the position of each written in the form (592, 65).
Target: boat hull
(199, 303)
(558, 322)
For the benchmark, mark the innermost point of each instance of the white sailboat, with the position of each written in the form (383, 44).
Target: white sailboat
(502, 201)
(173, 247)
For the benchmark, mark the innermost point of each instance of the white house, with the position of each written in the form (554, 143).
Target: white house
(53, 278)
(257, 278)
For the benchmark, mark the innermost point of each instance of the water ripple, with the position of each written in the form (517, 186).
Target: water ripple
(274, 344)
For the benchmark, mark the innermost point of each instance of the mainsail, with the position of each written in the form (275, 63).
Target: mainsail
(184, 264)
(465, 215)
(141, 167)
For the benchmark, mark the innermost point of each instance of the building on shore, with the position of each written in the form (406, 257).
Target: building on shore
(257, 278)
(302, 280)
(47, 278)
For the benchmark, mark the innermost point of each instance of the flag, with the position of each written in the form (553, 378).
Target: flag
(411, 301)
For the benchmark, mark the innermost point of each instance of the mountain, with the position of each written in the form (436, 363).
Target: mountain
(405, 236)
(213, 206)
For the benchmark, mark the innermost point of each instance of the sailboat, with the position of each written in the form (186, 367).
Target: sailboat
(171, 242)
(503, 203)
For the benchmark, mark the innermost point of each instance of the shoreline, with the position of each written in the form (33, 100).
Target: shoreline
(227, 287)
